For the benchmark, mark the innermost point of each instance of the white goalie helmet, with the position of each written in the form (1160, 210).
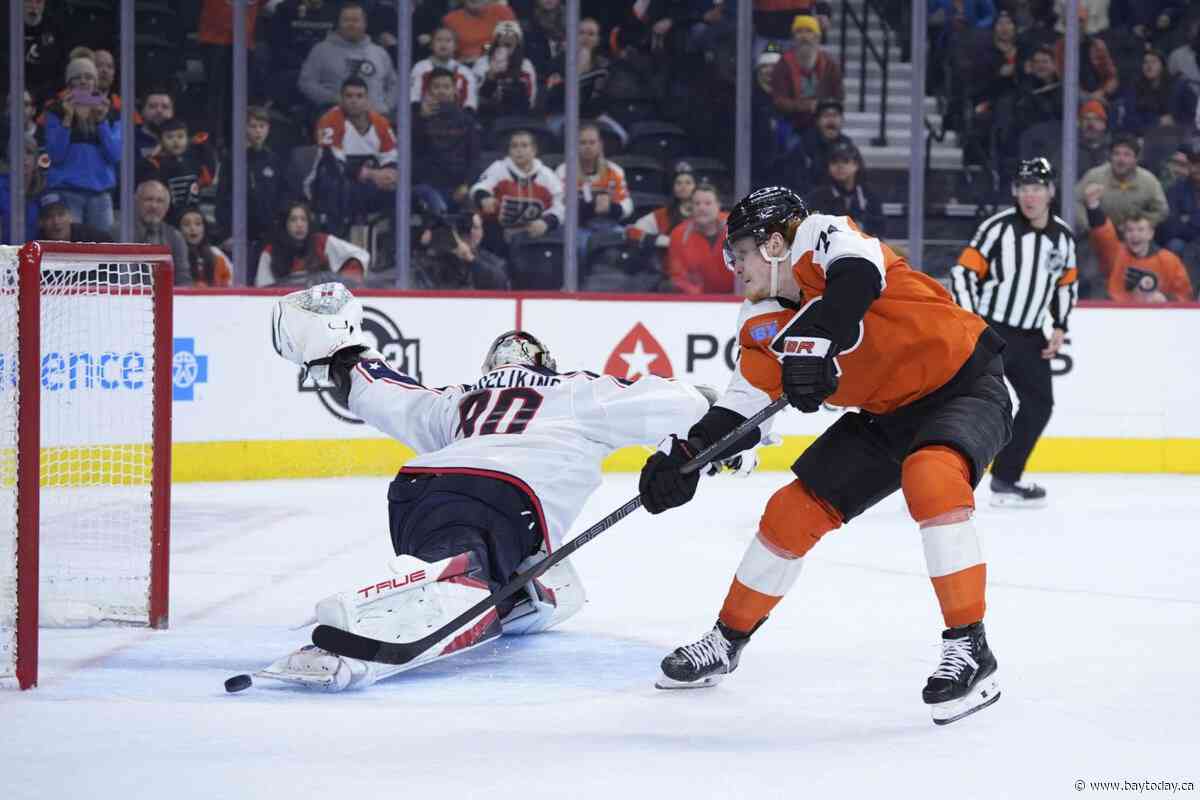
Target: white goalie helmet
(518, 347)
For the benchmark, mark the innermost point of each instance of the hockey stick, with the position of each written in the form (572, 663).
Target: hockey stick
(344, 643)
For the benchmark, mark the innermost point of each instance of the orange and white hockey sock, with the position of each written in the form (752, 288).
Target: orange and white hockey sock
(957, 570)
(793, 522)
(937, 487)
(762, 579)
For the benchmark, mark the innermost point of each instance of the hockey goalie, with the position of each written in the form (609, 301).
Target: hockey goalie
(504, 466)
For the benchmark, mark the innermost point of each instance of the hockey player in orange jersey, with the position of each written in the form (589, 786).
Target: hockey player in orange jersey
(833, 315)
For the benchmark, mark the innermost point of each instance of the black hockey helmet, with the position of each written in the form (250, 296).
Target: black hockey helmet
(1035, 170)
(762, 208)
(520, 348)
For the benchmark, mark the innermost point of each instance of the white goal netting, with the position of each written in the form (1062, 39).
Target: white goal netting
(96, 368)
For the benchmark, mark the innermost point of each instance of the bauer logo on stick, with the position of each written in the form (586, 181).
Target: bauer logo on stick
(402, 354)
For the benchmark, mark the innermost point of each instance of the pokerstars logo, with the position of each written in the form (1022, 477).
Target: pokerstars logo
(638, 354)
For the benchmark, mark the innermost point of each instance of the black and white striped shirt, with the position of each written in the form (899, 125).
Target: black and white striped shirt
(1013, 274)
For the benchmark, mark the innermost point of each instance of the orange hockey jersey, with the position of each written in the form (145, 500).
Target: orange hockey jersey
(1159, 270)
(912, 340)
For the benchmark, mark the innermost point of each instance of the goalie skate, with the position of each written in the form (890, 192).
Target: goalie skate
(420, 598)
(311, 667)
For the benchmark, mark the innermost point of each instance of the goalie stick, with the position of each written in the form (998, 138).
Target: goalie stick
(344, 643)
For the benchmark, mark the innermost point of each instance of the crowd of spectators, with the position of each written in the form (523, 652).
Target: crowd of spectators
(999, 79)
(657, 81)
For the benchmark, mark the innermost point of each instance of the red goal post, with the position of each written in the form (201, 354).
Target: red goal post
(85, 441)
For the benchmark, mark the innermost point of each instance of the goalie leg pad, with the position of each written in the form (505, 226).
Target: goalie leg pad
(554, 597)
(418, 597)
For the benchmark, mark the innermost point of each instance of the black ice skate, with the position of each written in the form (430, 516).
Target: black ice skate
(703, 663)
(1017, 495)
(965, 681)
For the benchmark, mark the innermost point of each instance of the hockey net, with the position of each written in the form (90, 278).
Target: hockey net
(85, 381)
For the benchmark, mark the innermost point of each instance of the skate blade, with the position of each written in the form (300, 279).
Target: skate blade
(983, 695)
(665, 682)
(1009, 501)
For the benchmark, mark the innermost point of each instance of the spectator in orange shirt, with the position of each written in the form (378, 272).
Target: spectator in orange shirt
(695, 259)
(604, 199)
(473, 25)
(1138, 270)
(603, 193)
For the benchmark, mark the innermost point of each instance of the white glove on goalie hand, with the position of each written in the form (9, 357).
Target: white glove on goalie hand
(312, 324)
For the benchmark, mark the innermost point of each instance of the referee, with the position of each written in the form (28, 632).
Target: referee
(1019, 267)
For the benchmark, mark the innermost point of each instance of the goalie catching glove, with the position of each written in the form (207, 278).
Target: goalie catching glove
(320, 329)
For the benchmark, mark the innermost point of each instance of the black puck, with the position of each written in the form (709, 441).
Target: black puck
(237, 683)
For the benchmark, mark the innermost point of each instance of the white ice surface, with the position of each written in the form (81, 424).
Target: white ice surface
(1094, 614)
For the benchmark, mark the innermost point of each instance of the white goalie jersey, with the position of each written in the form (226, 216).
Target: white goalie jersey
(529, 426)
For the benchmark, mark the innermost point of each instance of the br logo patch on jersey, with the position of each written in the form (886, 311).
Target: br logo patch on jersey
(401, 354)
(637, 354)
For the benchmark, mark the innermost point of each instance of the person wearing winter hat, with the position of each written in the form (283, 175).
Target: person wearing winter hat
(83, 140)
(507, 80)
(806, 75)
(763, 68)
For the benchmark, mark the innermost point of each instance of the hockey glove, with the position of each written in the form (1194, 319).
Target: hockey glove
(662, 484)
(810, 373)
(311, 326)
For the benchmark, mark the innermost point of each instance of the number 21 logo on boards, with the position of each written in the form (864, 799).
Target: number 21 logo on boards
(402, 354)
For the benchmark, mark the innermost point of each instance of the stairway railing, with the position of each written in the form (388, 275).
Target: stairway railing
(880, 57)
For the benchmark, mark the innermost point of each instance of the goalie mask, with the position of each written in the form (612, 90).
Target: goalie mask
(518, 348)
(755, 215)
